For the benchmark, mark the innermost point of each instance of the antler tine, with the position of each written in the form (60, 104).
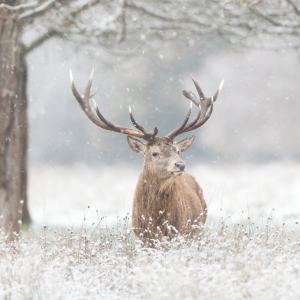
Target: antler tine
(190, 95)
(92, 94)
(84, 102)
(194, 122)
(87, 91)
(185, 129)
(204, 101)
(88, 87)
(140, 127)
(218, 91)
(74, 90)
(202, 121)
(149, 137)
(178, 130)
(107, 123)
(198, 88)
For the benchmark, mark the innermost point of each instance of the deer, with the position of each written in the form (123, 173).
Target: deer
(165, 194)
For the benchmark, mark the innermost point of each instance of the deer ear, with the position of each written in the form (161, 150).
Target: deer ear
(184, 144)
(136, 145)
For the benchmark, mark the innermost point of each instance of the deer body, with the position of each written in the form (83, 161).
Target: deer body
(178, 203)
(164, 193)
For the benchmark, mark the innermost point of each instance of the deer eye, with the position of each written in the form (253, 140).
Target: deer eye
(154, 153)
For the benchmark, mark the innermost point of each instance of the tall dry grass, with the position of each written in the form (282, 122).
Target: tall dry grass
(233, 257)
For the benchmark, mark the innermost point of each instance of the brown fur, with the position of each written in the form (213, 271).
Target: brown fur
(161, 195)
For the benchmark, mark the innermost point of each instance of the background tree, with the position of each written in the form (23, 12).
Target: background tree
(122, 27)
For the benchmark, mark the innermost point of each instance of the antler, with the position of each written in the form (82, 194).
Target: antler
(101, 121)
(203, 104)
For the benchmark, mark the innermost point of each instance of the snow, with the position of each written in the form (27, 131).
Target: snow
(59, 194)
(245, 250)
(227, 261)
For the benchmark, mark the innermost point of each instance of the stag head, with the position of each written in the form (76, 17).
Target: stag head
(161, 155)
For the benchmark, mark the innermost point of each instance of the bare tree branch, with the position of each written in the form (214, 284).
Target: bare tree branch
(158, 14)
(18, 7)
(122, 34)
(40, 40)
(51, 32)
(126, 23)
(266, 17)
(69, 21)
(296, 9)
(32, 13)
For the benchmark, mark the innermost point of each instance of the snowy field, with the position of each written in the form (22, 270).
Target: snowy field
(235, 257)
(230, 260)
(59, 195)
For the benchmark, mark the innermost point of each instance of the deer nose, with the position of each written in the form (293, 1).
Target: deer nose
(180, 166)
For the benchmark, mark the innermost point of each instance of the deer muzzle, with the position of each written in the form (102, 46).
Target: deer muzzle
(180, 167)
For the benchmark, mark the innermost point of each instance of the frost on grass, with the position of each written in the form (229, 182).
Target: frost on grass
(229, 260)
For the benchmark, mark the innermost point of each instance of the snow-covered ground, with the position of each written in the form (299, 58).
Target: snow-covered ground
(229, 260)
(234, 257)
(59, 194)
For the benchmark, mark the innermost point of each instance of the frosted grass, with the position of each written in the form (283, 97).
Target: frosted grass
(237, 259)
(244, 251)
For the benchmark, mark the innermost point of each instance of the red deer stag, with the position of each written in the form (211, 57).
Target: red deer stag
(164, 193)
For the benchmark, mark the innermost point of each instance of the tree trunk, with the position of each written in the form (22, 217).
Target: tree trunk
(23, 122)
(13, 123)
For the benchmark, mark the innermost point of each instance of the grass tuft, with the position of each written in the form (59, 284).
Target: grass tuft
(226, 260)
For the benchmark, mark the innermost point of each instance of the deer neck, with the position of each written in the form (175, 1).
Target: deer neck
(156, 189)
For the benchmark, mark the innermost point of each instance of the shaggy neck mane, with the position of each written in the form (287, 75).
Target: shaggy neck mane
(165, 186)
(156, 193)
